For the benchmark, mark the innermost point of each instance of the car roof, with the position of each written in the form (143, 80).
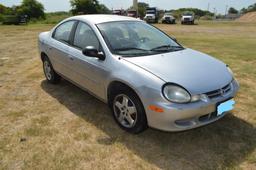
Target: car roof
(100, 18)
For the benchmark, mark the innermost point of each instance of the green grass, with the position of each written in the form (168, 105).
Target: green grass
(52, 18)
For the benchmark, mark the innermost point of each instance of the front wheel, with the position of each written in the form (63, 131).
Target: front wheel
(128, 111)
(50, 75)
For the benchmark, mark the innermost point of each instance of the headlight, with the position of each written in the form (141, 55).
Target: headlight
(176, 94)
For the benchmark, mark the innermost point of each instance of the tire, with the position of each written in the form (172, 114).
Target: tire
(50, 75)
(128, 111)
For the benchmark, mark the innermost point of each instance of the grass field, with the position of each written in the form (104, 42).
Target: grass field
(45, 126)
(53, 18)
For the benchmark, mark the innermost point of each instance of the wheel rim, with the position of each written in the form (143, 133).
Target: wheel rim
(125, 111)
(47, 70)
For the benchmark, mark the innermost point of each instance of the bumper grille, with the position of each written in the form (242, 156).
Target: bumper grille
(208, 117)
(219, 92)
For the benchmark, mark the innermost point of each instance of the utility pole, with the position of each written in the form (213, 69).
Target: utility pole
(214, 11)
(208, 8)
(226, 10)
(135, 5)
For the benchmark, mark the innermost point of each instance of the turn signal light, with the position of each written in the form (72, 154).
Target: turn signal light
(156, 109)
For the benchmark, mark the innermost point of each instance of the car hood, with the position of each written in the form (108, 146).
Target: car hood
(195, 71)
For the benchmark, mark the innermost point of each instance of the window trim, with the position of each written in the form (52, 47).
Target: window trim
(71, 32)
(73, 38)
(74, 33)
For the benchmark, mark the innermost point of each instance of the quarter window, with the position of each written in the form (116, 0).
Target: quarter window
(85, 36)
(62, 32)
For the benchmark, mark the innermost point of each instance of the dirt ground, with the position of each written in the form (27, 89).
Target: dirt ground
(44, 126)
(249, 17)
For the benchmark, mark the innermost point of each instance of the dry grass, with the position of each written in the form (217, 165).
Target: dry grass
(47, 126)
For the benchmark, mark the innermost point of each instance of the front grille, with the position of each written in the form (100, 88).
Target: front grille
(186, 19)
(219, 92)
(208, 117)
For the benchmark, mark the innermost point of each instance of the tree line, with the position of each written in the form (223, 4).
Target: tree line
(30, 8)
(35, 10)
(250, 8)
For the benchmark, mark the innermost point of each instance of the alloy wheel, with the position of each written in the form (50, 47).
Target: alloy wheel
(125, 111)
(47, 70)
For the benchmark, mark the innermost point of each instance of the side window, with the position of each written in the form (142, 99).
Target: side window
(63, 31)
(85, 36)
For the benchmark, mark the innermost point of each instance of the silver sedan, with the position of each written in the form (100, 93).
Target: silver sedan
(146, 77)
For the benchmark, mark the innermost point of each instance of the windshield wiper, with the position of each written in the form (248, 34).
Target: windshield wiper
(161, 47)
(166, 48)
(130, 48)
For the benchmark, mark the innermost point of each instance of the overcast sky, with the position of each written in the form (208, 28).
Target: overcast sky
(220, 5)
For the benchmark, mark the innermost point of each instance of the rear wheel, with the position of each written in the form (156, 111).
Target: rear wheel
(50, 75)
(128, 111)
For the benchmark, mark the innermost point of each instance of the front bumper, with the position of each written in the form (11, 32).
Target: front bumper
(180, 117)
(150, 20)
(186, 20)
(168, 20)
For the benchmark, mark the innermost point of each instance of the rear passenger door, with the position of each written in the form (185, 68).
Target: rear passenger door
(88, 72)
(60, 47)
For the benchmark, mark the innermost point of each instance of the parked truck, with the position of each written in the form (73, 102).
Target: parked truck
(132, 13)
(168, 18)
(15, 19)
(152, 15)
(188, 18)
(118, 12)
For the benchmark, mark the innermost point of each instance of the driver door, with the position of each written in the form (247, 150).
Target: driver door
(88, 72)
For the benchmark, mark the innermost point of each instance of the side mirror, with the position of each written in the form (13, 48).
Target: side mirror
(91, 51)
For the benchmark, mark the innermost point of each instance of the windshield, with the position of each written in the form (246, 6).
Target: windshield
(134, 38)
(168, 14)
(150, 11)
(187, 14)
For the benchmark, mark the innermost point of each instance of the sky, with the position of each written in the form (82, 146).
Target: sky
(219, 5)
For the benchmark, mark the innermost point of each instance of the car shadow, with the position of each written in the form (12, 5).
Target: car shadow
(223, 144)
